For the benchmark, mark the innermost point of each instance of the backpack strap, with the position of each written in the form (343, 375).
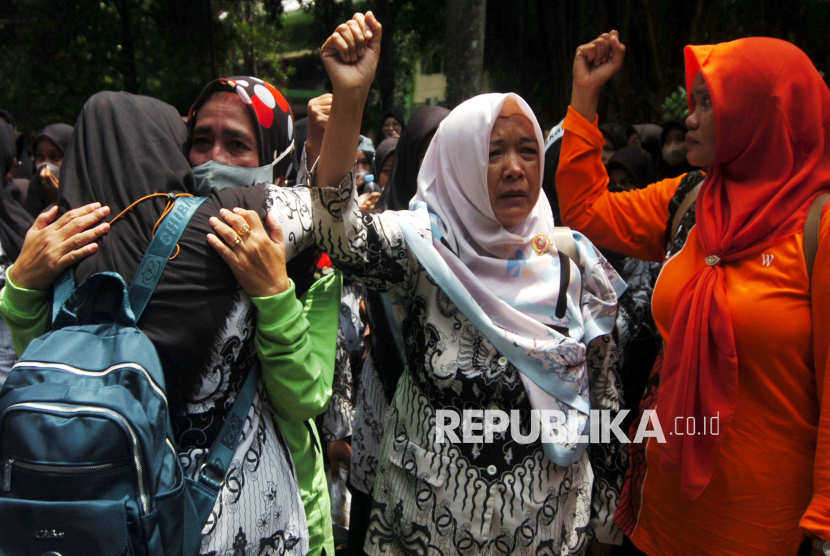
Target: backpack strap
(684, 207)
(61, 290)
(563, 238)
(158, 253)
(812, 227)
(205, 489)
(152, 265)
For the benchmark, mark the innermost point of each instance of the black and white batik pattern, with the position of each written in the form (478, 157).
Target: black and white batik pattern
(369, 420)
(340, 414)
(259, 510)
(465, 499)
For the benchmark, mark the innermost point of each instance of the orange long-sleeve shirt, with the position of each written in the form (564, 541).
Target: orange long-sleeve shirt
(772, 480)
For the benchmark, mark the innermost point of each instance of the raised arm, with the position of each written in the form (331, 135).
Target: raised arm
(632, 223)
(369, 248)
(350, 56)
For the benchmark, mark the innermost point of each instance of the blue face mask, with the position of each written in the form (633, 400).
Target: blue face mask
(216, 175)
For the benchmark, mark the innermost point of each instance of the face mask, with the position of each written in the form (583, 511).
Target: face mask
(215, 175)
(56, 170)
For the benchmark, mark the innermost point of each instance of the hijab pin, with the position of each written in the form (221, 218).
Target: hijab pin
(712, 260)
(541, 243)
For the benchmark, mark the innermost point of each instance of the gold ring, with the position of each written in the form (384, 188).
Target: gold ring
(236, 241)
(245, 230)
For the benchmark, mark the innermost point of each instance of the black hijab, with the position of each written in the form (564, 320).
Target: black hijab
(664, 170)
(385, 150)
(9, 117)
(395, 113)
(300, 135)
(14, 220)
(552, 155)
(637, 162)
(270, 113)
(615, 134)
(649, 139)
(403, 183)
(59, 134)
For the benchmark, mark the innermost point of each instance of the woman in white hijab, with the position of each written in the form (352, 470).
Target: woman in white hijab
(492, 315)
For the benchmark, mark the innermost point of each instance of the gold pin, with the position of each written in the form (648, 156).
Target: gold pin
(541, 243)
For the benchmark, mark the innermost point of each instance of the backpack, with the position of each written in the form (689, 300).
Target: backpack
(88, 462)
(812, 224)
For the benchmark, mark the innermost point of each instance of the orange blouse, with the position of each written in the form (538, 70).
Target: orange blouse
(772, 481)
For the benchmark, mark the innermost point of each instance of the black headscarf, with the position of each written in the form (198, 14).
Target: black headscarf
(385, 150)
(615, 134)
(270, 113)
(59, 134)
(664, 170)
(395, 113)
(636, 161)
(549, 178)
(14, 220)
(6, 148)
(403, 183)
(300, 135)
(9, 117)
(649, 139)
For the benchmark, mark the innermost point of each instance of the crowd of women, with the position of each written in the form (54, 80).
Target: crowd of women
(381, 287)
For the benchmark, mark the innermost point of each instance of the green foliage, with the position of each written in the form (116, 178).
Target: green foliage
(55, 54)
(253, 42)
(676, 107)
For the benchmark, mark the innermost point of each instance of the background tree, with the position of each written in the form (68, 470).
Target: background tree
(54, 53)
(463, 62)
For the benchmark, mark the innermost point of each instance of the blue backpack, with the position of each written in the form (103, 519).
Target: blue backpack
(88, 462)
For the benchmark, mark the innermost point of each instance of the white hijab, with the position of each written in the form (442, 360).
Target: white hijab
(516, 286)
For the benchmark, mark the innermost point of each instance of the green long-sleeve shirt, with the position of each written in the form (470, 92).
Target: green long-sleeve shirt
(296, 343)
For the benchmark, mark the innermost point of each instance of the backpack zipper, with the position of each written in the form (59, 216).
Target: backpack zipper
(82, 372)
(139, 467)
(43, 468)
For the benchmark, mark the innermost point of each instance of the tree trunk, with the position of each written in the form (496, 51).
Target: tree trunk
(464, 56)
(127, 47)
(384, 12)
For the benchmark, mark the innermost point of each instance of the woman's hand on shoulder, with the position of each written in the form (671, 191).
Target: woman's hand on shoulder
(351, 54)
(256, 257)
(54, 244)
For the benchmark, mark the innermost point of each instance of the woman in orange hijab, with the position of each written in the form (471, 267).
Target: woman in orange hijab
(742, 395)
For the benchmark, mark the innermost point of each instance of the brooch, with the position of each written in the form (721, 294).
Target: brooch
(541, 243)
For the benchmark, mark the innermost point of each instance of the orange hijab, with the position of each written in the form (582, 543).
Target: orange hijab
(772, 123)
